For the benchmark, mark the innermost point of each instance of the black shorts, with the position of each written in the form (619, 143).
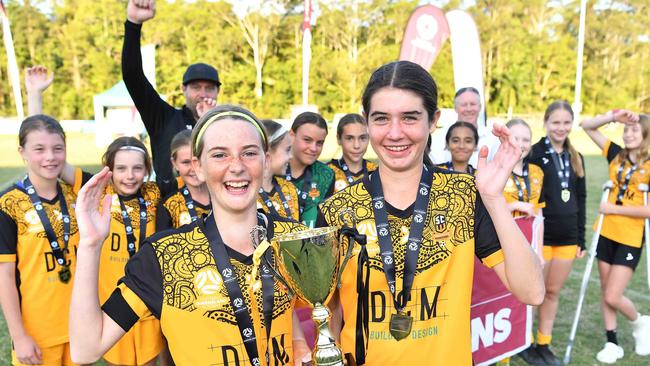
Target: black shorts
(613, 252)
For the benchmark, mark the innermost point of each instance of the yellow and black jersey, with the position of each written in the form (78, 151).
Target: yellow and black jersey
(457, 228)
(44, 299)
(115, 253)
(624, 229)
(173, 212)
(341, 179)
(535, 179)
(290, 194)
(174, 277)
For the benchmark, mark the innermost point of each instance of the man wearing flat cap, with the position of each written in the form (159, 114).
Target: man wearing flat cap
(200, 86)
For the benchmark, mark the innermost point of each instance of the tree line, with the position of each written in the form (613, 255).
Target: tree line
(528, 49)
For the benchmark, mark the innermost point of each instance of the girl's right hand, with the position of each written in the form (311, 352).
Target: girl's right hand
(625, 116)
(93, 223)
(27, 351)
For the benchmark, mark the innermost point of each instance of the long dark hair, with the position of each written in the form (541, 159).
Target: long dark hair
(410, 76)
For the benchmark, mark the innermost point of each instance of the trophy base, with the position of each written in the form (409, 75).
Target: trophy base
(326, 352)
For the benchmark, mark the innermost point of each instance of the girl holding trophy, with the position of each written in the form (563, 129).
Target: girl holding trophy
(405, 295)
(194, 278)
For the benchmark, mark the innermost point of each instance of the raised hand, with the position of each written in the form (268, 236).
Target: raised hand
(139, 11)
(492, 176)
(37, 79)
(93, 221)
(625, 116)
(205, 105)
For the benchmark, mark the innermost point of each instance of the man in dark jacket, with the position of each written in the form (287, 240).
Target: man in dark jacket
(162, 121)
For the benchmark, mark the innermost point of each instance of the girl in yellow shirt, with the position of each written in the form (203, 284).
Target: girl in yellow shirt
(621, 236)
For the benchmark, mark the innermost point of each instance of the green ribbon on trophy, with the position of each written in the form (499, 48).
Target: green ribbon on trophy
(309, 264)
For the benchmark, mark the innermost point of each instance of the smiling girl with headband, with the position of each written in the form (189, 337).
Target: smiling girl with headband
(195, 279)
(277, 195)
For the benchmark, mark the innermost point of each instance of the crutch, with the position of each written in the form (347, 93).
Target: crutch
(585, 277)
(646, 233)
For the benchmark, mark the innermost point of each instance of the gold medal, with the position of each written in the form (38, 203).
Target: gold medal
(566, 195)
(400, 325)
(64, 274)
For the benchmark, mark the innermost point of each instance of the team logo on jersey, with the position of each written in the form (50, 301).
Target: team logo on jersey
(208, 285)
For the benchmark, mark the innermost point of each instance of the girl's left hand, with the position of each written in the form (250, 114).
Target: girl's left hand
(492, 176)
(607, 208)
(301, 352)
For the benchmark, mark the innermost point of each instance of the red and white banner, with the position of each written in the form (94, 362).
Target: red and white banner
(501, 325)
(426, 32)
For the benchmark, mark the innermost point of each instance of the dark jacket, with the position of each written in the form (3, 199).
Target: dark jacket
(564, 222)
(161, 120)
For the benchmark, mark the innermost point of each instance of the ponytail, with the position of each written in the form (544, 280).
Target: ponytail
(576, 161)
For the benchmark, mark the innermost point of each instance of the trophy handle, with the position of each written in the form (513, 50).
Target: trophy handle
(262, 245)
(349, 230)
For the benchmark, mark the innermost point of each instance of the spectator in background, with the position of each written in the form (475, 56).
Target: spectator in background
(467, 104)
(200, 87)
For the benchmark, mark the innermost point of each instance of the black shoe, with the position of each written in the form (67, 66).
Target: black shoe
(532, 357)
(549, 358)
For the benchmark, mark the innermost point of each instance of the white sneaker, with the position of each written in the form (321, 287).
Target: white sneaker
(610, 353)
(641, 333)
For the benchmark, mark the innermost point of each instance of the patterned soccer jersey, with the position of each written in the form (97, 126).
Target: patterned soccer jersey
(457, 227)
(322, 184)
(44, 299)
(290, 194)
(175, 278)
(536, 179)
(624, 229)
(341, 180)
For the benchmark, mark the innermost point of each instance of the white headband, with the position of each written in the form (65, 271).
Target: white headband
(133, 148)
(281, 131)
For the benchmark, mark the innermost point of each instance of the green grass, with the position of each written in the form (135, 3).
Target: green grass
(590, 337)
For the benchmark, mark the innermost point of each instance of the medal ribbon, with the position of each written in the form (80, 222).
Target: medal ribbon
(520, 191)
(348, 174)
(130, 238)
(414, 240)
(241, 311)
(283, 198)
(562, 166)
(306, 184)
(623, 185)
(57, 250)
(450, 166)
(189, 203)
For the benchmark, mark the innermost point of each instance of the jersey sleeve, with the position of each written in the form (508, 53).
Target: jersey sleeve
(487, 246)
(125, 307)
(8, 238)
(611, 150)
(140, 290)
(163, 218)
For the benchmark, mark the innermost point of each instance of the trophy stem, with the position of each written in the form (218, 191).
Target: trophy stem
(326, 352)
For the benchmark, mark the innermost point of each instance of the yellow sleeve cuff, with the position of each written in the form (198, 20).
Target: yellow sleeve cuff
(137, 305)
(78, 177)
(606, 147)
(493, 259)
(7, 258)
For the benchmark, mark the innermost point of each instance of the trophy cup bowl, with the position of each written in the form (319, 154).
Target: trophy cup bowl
(309, 263)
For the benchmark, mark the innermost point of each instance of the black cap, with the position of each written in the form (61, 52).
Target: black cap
(201, 71)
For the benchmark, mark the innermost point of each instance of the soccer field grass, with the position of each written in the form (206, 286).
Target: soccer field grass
(590, 336)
